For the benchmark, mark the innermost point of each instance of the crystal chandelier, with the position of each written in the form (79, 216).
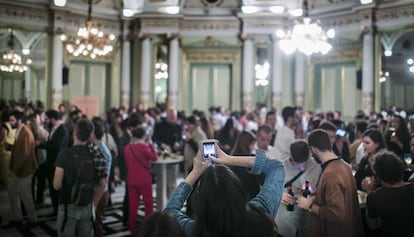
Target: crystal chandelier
(11, 61)
(262, 71)
(90, 41)
(307, 36)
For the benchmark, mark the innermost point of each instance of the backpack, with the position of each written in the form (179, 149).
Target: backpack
(83, 189)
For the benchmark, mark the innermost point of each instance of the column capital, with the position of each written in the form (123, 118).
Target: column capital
(367, 30)
(246, 36)
(171, 36)
(58, 31)
(143, 36)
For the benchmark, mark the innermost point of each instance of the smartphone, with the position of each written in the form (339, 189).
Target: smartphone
(209, 148)
(340, 132)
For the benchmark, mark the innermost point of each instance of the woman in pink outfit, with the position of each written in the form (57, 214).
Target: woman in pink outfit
(138, 155)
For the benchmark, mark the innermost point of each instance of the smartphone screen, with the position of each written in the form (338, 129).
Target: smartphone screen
(340, 132)
(209, 149)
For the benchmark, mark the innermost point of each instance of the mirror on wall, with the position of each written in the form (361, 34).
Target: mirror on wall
(161, 74)
(23, 64)
(397, 71)
(262, 72)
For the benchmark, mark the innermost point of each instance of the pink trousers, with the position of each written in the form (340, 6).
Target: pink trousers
(134, 195)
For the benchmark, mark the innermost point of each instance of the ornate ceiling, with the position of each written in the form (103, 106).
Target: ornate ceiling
(197, 18)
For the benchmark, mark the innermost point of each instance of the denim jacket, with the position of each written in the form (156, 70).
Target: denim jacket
(268, 199)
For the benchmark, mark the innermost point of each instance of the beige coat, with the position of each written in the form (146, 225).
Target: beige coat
(23, 161)
(336, 194)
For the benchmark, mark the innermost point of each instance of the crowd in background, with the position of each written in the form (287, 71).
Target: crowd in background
(136, 134)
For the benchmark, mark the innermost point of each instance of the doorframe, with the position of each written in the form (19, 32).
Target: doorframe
(108, 80)
(210, 66)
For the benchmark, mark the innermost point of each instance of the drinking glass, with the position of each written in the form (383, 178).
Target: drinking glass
(408, 159)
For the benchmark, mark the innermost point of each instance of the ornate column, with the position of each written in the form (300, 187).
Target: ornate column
(28, 83)
(387, 93)
(57, 65)
(367, 70)
(299, 78)
(145, 70)
(248, 65)
(277, 73)
(173, 71)
(126, 70)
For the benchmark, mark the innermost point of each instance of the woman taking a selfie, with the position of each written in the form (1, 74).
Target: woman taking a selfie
(222, 207)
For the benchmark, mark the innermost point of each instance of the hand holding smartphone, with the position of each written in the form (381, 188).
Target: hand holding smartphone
(209, 148)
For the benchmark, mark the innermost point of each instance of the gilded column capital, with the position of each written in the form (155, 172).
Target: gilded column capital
(171, 36)
(246, 36)
(144, 36)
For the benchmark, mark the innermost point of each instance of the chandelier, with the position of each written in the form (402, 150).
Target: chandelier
(11, 61)
(307, 36)
(90, 41)
(262, 71)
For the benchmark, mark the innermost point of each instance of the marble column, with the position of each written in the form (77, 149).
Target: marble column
(367, 71)
(28, 83)
(387, 93)
(57, 65)
(173, 72)
(277, 75)
(248, 73)
(300, 60)
(126, 73)
(145, 71)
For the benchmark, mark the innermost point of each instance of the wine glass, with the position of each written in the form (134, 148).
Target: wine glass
(407, 158)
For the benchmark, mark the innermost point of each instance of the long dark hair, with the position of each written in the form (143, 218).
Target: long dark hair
(241, 148)
(376, 136)
(222, 208)
(221, 203)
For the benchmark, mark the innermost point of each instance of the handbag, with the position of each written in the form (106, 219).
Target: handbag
(40, 155)
(153, 178)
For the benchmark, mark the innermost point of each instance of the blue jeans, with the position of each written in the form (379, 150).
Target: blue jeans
(79, 221)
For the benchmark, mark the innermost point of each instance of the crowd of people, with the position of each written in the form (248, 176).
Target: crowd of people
(300, 173)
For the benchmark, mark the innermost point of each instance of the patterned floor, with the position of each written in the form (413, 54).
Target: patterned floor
(47, 225)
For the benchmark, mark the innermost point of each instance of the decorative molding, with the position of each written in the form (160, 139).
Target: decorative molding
(367, 101)
(209, 25)
(125, 98)
(172, 99)
(145, 99)
(299, 98)
(247, 100)
(338, 55)
(23, 18)
(277, 101)
(70, 23)
(209, 56)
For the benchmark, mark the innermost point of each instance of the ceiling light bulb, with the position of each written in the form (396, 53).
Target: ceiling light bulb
(388, 53)
(277, 9)
(296, 12)
(128, 12)
(250, 9)
(60, 3)
(365, 1)
(170, 10)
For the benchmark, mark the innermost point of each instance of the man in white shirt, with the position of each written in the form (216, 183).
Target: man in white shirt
(286, 135)
(264, 136)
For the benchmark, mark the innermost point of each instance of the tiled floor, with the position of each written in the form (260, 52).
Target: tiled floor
(47, 225)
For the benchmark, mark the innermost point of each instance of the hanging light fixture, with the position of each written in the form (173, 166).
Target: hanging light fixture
(90, 40)
(11, 61)
(306, 36)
